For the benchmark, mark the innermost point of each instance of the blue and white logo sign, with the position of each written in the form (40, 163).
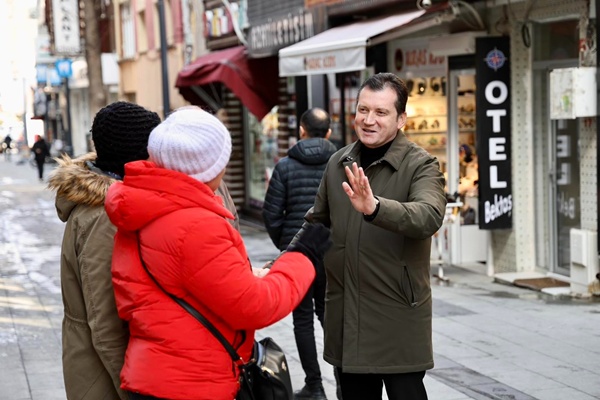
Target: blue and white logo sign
(495, 59)
(63, 68)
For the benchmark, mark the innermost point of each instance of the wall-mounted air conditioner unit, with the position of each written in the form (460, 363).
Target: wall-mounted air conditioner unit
(573, 93)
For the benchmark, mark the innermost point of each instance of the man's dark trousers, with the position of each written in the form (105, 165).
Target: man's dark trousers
(407, 386)
(304, 329)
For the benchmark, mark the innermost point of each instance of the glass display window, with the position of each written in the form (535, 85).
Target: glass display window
(427, 116)
(262, 153)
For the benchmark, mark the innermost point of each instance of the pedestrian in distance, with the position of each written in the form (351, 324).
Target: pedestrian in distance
(40, 151)
(291, 193)
(383, 197)
(173, 230)
(6, 145)
(94, 338)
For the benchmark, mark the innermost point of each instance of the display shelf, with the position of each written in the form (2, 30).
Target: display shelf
(435, 148)
(427, 116)
(423, 132)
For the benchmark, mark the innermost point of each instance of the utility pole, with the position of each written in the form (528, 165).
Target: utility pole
(163, 57)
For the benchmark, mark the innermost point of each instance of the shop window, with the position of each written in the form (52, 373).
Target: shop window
(426, 109)
(263, 154)
(348, 82)
(556, 41)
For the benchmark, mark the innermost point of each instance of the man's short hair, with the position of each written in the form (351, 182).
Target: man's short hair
(382, 80)
(315, 122)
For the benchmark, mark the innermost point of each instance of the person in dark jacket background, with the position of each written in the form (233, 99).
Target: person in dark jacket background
(40, 151)
(291, 193)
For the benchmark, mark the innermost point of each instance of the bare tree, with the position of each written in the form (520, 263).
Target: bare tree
(93, 55)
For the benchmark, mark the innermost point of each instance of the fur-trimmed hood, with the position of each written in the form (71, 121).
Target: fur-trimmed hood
(75, 183)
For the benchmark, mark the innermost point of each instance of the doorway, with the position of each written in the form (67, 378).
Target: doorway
(468, 243)
(557, 176)
(564, 191)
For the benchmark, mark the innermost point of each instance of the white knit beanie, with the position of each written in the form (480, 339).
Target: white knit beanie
(191, 141)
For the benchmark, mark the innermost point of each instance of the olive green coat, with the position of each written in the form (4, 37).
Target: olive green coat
(94, 339)
(378, 302)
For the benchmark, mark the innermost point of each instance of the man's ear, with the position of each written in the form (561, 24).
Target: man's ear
(303, 134)
(328, 134)
(401, 120)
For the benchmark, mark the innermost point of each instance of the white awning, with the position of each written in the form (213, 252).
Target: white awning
(339, 49)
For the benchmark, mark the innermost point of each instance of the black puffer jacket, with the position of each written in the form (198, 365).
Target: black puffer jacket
(293, 187)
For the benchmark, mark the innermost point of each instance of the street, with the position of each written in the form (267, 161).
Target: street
(491, 341)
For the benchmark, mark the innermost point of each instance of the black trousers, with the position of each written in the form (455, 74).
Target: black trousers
(304, 329)
(40, 166)
(370, 386)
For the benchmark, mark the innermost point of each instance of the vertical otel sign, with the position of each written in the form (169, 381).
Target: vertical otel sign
(493, 132)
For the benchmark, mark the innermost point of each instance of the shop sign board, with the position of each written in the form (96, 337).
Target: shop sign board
(66, 27)
(268, 37)
(493, 132)
(64, 68)
(413, 59)
(333, 61)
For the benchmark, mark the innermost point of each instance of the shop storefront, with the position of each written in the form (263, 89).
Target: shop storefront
(439, 70)
(553, 148)
(557, 147)
(242, 91)
(268, 138)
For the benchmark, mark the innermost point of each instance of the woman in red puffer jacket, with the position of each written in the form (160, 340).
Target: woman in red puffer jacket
(166, 211)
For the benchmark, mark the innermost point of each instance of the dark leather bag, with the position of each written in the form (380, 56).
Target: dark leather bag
(266, 376)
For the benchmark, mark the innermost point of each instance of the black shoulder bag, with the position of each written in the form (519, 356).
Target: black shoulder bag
(265, 377)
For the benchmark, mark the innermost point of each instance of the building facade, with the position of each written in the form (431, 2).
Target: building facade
(138, 48)
(530, 183)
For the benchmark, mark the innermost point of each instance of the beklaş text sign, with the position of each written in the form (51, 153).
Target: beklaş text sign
(493, 132)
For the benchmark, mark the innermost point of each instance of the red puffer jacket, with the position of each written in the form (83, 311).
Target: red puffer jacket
(192, 250)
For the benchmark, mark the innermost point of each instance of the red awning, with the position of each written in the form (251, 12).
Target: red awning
(253, 80)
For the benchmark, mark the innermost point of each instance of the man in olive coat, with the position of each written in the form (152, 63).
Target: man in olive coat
(383, 198)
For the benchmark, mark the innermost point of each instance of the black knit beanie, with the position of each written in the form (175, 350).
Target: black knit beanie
(120, 133)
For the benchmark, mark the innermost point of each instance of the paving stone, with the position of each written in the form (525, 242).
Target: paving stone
(491, 341)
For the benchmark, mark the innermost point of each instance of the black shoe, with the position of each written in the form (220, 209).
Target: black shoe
(306, 393)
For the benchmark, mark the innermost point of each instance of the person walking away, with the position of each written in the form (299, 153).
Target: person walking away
(291, 193)
(7, 147)
(94, 338)
(171, 227)
(383, 198)
(40, 151)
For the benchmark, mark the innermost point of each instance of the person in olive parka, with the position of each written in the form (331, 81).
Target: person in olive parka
(383, 199)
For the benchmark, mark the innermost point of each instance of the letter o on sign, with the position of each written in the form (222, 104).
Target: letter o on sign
(489, 92)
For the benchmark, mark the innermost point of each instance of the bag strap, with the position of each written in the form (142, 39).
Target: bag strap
(195, 313)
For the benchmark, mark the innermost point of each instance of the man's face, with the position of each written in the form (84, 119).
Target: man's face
(377, 121)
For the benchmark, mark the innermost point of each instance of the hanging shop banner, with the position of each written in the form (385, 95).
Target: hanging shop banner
(66, 27)
(493, 132)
